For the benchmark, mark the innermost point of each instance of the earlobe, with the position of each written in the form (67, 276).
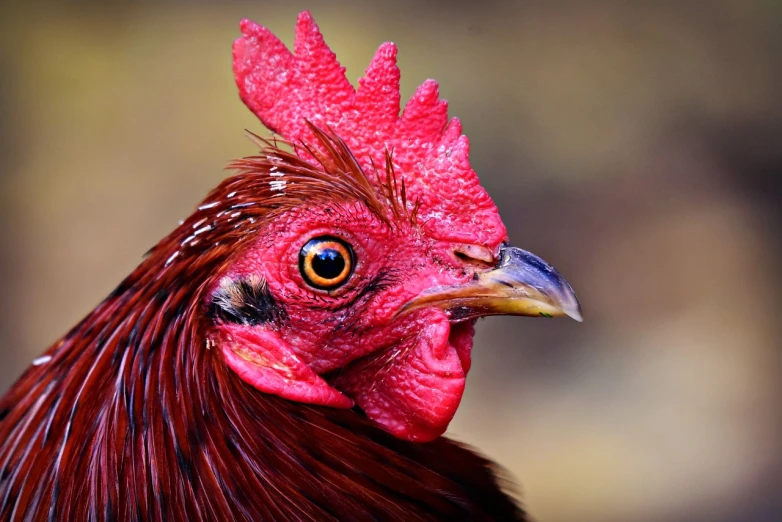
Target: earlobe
(262, 359)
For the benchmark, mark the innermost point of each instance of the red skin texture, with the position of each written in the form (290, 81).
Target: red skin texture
(430, 152)
(263, 359)
(414, 389)
(406, 374)
(413, 379)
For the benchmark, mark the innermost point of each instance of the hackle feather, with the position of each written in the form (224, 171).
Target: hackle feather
(136, 416)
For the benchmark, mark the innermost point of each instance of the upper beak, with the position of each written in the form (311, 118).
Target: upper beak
(520, 284)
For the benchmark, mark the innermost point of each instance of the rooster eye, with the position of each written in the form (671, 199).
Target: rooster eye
(326, 262)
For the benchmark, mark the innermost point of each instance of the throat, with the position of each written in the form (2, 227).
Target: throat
(413, 388)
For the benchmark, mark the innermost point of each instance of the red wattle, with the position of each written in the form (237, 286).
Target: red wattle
(413, 388)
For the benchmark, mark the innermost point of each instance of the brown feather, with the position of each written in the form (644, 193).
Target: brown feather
(136, 417)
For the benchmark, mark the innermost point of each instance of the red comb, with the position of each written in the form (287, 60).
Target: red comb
(430, 153)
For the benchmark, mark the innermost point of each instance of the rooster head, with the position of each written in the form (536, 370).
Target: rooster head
(368, 247)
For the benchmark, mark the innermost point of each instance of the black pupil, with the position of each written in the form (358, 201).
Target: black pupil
(328, 263)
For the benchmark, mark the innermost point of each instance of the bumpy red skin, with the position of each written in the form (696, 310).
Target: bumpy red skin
(414, 378)
(430, 152)
(410, 376)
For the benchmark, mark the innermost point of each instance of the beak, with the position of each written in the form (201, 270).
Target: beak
(520, 284)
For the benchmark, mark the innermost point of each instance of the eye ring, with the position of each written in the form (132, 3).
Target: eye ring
(326, 262)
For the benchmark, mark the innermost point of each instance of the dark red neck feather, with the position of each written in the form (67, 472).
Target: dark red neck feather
(134, 417)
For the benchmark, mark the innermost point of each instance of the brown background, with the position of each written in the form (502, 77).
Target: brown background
(634, 145)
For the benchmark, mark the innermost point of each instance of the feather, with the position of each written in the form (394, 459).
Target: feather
(134, 417)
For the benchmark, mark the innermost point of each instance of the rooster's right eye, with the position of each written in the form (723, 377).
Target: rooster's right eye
(326, 262)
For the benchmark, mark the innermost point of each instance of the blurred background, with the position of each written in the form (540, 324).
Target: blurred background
(635, 146)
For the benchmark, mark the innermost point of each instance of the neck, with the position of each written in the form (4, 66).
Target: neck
(135, 417)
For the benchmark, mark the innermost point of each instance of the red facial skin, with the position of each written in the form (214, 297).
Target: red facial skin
(342, 346)
(406, 374)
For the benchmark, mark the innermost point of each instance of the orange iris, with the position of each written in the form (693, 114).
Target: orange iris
(326, 262)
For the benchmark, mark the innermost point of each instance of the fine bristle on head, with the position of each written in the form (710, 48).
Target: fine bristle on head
(286, 90)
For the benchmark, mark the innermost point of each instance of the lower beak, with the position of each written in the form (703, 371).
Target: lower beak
(520, 284)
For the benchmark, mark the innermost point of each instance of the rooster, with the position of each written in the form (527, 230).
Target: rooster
(295, 349)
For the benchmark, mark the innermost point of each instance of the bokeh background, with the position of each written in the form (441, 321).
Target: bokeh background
(636, 146)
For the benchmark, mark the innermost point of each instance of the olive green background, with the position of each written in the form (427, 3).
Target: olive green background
(634, 145)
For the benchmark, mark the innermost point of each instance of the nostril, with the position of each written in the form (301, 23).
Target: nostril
(475, 254)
